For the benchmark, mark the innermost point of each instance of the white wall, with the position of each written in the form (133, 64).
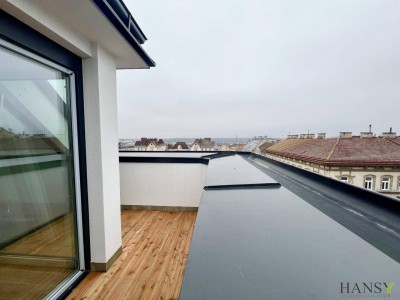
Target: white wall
(102, 154)
(162, 184)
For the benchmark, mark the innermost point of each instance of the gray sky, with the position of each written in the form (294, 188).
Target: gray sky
(263, 67)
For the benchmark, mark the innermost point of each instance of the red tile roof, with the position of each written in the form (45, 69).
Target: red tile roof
(146, 142)
(177, 144)
(341, 151)
(206, 142)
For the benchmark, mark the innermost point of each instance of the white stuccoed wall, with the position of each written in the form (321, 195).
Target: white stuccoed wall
(102, 154)
(162, 184)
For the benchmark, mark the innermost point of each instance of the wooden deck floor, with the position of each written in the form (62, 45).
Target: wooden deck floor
(35, 264)
(155, 249)
(55, 239)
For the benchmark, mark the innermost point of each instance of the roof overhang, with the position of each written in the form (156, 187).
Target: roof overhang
(78, 24)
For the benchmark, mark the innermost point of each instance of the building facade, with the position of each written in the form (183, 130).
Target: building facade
(149, 144)
(366, 161)
(205, 144)
(178, 146)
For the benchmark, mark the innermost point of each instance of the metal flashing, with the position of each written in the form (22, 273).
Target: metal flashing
(243, 186)
(121, 18)
(174, 160)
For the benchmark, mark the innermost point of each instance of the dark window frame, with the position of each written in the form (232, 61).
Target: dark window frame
(21, 35)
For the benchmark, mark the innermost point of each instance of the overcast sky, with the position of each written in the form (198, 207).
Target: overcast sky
(263, 67)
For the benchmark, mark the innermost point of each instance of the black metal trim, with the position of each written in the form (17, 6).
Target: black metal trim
(167, 160)
(124, 14)
(16, 32)
(170, 151)
(219, 154)
(371, 197)
(243, 186)
(116, 21)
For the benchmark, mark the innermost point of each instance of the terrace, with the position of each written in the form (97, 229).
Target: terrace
(259, 222)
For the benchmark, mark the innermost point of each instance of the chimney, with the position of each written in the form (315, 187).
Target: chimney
(389, 134)
(310, 135)
(321, 135)
(366, 134)
(345, 134)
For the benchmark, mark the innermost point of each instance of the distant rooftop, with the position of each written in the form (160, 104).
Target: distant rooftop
(205, 142)
(346, 150)
(148, 141)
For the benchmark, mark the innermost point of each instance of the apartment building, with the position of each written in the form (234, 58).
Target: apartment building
(150, 144)
(364, 160)
(205, 144)
(178, 146)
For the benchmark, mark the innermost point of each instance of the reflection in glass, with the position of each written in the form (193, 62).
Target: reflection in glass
(37, 214)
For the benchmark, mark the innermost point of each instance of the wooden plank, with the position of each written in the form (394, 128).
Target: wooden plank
(35, 264)
(155, 249)
(29, 282)
(55, 239)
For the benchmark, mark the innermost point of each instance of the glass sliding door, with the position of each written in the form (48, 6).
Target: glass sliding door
(39, 227)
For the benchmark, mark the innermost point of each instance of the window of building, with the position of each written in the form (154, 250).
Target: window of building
(369, 182)
(344, 179)
(385, 184)
(398, 184)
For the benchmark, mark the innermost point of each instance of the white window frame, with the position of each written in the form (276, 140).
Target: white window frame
(369, 182)
(347, 180)
(386, 180)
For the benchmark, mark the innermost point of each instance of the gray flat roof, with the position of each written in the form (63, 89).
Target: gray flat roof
(233, 170)
(289, 242)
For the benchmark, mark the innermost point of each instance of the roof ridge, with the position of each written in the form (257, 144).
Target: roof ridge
(333, 149)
